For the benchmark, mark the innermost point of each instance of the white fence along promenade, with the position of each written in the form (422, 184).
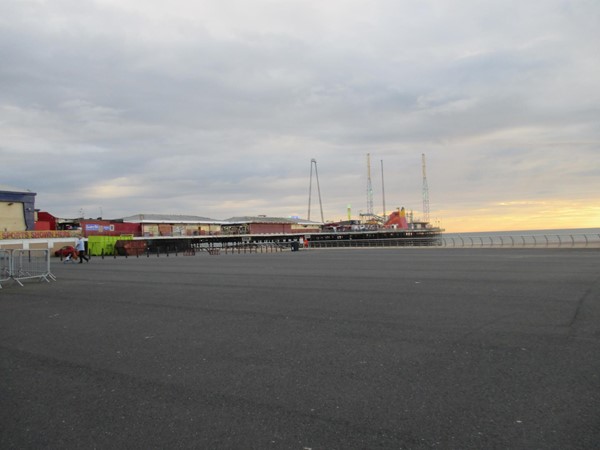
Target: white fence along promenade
(552, 240)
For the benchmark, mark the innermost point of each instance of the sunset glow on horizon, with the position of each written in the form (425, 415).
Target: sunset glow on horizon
(517, 216)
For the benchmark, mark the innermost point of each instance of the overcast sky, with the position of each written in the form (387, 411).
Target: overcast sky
(216, 107)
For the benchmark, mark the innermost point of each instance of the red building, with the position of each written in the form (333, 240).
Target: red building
(98, 227)
(88, 227)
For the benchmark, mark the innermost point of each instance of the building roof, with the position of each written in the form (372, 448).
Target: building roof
(6, 188)
(168, 218)
(257, 219)
(307, 222)
(265, 219)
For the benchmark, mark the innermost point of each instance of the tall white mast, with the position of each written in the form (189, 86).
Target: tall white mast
(313, 162)
(383, 190)
(425, 191)
(369, 188)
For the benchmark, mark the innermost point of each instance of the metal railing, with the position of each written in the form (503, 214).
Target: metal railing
(550, 240)
(19, 265)
(389, 242)
(5, 266)
(186, 249)
(523, 241)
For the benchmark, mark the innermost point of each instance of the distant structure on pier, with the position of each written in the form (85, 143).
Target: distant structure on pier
(425, 191)
(369, 187)
(313, 162)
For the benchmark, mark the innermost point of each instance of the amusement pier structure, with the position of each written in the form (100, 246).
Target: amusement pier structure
(396, 231)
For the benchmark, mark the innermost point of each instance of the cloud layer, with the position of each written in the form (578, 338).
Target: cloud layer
(216, 108)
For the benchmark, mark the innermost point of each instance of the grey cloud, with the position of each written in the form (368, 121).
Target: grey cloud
(216, 119)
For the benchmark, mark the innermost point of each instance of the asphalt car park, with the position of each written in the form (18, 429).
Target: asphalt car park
(322, 349)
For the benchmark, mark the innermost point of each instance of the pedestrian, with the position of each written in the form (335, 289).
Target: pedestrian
(80, 246)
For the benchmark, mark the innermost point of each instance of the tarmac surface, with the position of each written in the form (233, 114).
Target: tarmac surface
(403, 348)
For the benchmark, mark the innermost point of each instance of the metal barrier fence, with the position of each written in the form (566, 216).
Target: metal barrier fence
(400, 242)
(22, 265)
(523, 241)
(186, 249)
(5, 266)
(241, 247)
(469, 241)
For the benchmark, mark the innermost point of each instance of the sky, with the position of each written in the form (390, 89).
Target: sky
(215, 108)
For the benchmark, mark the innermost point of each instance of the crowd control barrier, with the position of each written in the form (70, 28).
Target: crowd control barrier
(5, 266)
(22, 265)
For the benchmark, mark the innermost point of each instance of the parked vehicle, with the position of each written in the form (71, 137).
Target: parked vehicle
(66, 250)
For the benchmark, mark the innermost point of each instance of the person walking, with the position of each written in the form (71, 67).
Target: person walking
(80, 247)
